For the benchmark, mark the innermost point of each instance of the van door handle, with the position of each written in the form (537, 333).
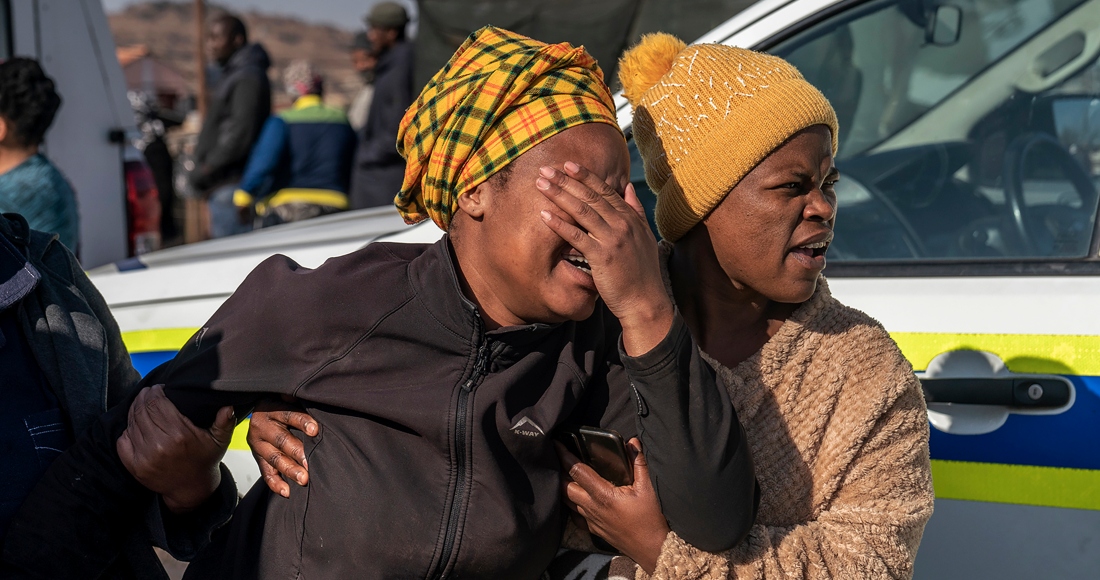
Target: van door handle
(1019, 392)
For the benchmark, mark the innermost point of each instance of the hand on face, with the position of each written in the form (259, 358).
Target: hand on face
(278, 452)
(612, 238)
(169, 455)
(628, 517)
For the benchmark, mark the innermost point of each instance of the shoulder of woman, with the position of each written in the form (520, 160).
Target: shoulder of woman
(859, 339)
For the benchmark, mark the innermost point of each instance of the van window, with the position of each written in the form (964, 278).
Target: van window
(970, 129)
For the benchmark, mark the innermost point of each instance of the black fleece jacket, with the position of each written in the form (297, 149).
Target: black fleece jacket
(435, 458)
(239, 106)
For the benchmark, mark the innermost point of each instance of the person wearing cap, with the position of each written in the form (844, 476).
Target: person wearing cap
(364, 61)
(740, 151)
(437, 373)
(379, 168)
(300, 165)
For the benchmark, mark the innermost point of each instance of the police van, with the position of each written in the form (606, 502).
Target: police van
(970, 163)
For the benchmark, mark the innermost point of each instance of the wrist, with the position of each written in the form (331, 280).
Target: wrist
(189, 497)
(646, 326)
(651, 552)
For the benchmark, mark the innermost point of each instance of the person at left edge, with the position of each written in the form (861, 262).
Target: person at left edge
(240, 103)
(29, 184)
(303, 156)
(62, 363)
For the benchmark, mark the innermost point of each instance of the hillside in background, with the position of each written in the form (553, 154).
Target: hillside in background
(168, 28)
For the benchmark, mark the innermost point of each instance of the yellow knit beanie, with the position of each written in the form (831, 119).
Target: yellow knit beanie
(705, 115)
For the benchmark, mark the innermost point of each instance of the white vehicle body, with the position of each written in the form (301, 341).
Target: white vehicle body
(72, 41)
(1018, 487)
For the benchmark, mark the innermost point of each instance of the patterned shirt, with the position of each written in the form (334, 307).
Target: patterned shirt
(38, 191)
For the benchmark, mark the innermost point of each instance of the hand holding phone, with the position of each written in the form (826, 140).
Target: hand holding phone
(601, 449)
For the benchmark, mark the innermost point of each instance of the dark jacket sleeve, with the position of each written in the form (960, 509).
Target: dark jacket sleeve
(379, 145)
(698, 458)
(237, 133)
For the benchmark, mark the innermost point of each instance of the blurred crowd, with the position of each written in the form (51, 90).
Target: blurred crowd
(258, 169)
(253, 167)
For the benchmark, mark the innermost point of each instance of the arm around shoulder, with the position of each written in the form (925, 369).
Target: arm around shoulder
(698, 457)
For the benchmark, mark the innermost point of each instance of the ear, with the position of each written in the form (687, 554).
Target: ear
(475, 203)
(3, 129)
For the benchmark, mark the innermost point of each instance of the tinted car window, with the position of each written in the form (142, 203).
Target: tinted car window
(970, 129)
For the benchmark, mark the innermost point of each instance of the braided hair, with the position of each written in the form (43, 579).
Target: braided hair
(28, 100)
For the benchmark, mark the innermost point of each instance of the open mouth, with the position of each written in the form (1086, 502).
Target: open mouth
(579, 262)
(814, 250)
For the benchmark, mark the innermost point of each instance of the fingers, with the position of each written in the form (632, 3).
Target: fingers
(274, 461)
(587, 207)
(593, 182)
(272, 429)
(271, 476)
(630, 196)
(125, 449)
(641, 466)
(222, 429)
(298, 420)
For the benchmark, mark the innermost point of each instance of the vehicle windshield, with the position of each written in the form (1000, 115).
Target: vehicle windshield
(970, 129)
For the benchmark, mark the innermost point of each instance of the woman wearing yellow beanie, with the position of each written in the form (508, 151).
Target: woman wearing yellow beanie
(739, 149)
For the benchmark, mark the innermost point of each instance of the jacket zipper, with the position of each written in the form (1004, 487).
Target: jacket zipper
(481, 366)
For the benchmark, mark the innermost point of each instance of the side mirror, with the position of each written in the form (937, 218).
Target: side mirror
(944, 26)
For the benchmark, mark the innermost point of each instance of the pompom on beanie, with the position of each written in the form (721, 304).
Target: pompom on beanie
(705, 115)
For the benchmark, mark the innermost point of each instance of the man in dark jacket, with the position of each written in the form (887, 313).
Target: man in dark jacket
(379, 169)
(63, 364)
(240, 103)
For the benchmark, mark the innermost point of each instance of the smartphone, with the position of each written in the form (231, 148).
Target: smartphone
(601, 449)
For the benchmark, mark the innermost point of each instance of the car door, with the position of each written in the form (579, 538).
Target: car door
(970, 163)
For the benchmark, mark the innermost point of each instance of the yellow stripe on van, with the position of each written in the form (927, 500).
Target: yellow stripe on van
(1052, 354)
(239, 443)
(158, 340)
(1061, 487)
(1057, 354)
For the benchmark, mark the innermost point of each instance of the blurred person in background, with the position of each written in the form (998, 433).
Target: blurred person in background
(29, 184)
(152, 122)
(379, 169)
(303, 156)
(364, 61)
(239, 105)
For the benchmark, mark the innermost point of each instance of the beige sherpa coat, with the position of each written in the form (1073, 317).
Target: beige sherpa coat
(837, 427)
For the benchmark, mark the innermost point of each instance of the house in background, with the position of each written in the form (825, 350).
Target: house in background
(145, 73)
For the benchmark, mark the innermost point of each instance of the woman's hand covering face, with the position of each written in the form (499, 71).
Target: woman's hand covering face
(610, 231)
(169, 455)
(628, 517)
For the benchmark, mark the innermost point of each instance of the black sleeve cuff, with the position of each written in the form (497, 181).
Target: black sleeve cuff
(184, 535)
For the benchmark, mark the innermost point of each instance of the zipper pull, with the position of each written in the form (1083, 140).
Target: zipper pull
(481, 366)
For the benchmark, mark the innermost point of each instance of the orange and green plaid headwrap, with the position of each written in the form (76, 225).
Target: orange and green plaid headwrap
(500, 94)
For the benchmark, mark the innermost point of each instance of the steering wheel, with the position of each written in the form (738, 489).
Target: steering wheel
(909, 234)
(1013, 171)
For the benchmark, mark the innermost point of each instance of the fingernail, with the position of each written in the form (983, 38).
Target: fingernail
(542, 184)
(285, 493)
(305, 463)
(572, 167)
(545, 215)
(547, 171)
(301, 479)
